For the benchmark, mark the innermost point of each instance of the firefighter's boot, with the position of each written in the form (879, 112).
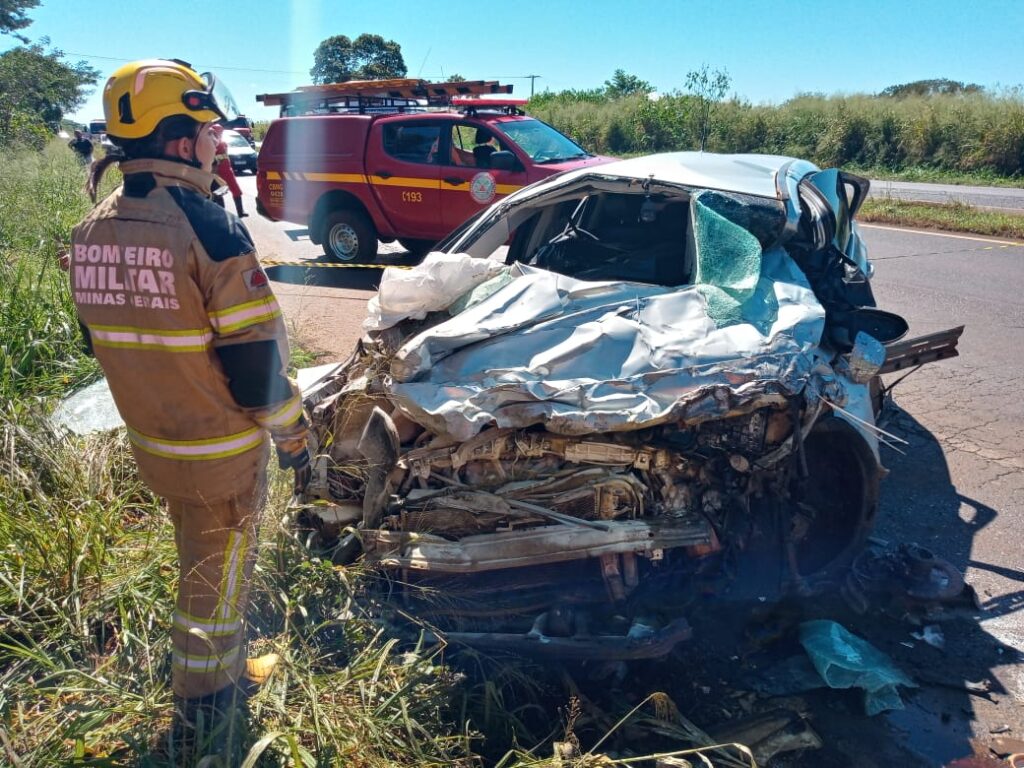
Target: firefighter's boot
(258, 671)
(211, 726)
(238, 207)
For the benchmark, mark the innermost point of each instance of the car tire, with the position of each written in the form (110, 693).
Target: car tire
(416, 247)
(349, 236)
(842, 489)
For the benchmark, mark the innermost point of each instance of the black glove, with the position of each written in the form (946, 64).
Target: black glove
(299, 461)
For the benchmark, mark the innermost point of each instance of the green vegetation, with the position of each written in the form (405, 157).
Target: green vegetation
(259, 129)
(936, 176)
(954, 217)
(369, 57)
(41, 198)
(87, 564)
(965, 133)
(36, 87)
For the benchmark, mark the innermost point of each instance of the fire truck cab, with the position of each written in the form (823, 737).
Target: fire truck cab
(382, 160)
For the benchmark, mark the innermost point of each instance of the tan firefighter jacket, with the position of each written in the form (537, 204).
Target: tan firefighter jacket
(183, 321)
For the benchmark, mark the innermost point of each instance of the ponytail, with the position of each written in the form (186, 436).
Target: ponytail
(99, 167)
(151, 146)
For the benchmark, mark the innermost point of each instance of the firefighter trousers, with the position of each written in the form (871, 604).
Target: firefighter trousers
(216, 550)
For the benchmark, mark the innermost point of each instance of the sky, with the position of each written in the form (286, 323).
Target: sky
(771, 50)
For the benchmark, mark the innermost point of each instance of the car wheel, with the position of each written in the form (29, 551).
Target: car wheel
(416, 247)
(349, 236)
(839, 499)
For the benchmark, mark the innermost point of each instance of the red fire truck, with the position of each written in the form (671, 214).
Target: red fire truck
(400, 160)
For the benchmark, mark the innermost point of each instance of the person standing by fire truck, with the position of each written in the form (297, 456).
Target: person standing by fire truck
(222, 167)
(175, 306)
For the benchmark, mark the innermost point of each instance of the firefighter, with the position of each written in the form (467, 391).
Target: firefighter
(175, 306)
(82, 146)
(222, 167)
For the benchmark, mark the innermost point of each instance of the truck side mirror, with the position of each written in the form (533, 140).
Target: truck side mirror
(503, 161)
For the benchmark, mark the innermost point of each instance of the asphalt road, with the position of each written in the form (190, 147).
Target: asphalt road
(997, 198)
(958, 488)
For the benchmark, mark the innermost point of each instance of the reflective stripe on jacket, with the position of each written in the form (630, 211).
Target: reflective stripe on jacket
(186, 327)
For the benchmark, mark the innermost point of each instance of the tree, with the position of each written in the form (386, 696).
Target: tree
(622, 84)
(708, 87)
(369, 57)
(938, 86)
(39, 86)
(13, 18)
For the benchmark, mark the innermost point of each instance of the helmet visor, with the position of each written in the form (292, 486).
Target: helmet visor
(215, 97)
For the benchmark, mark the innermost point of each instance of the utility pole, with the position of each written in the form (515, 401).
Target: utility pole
(532, 78)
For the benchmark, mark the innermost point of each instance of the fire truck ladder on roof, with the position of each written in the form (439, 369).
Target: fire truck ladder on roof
(363, 96)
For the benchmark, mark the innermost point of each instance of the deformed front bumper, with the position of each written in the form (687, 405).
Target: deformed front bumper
(518, 549)
(640, 642)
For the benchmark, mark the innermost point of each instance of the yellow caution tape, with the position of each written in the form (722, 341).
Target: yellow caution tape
(328, 265)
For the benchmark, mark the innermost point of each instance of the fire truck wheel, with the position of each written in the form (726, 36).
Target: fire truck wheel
(349, 236)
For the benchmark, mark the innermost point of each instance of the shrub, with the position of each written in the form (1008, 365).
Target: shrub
(41, 198)
(24, 130)
(981, 133)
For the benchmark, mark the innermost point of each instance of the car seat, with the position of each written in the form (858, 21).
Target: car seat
(483, 150)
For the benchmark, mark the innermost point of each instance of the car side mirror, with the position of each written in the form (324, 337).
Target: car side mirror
(503, 160)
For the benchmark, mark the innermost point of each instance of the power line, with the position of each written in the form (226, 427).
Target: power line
(531, 78)
(203, 66)
(283, 72)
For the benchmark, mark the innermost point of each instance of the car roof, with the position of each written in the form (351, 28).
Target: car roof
(744, 174)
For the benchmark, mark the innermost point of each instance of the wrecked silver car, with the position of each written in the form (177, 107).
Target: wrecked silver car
(610, 394)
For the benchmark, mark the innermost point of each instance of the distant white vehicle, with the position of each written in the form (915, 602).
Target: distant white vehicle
(240, 152)
(98, 130)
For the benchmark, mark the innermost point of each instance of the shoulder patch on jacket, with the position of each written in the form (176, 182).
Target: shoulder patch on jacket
(255, 279)
(222, 233)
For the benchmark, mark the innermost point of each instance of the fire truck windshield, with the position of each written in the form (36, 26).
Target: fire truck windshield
(542, 142)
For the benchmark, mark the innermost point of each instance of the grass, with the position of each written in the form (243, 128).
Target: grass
(88, 571)
(926, 175)
(40, 199)
(87, 565)
(979, 136)
(87, 578)
(952, 217)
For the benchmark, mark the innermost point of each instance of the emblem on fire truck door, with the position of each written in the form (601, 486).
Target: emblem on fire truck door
(482, 187)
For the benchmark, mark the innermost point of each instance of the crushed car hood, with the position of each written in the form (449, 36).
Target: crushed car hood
(588, 357)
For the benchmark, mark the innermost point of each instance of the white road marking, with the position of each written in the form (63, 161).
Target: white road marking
(941, 234)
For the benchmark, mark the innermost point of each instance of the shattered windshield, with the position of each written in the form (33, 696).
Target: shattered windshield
(632, 236)
(542, 142)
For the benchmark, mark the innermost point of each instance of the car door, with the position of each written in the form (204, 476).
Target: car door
(468, 183)
(404, 173)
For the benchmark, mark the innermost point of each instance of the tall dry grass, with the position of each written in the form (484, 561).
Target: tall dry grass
(980, 133)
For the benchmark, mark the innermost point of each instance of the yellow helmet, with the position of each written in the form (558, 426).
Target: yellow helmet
(141, 94)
